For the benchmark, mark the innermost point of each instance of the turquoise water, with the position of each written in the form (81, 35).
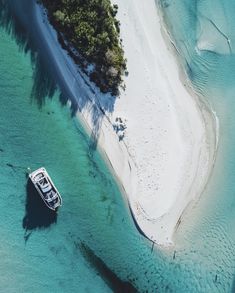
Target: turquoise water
(50, 260)
(47, 258)
(212, 72)
(94, 226)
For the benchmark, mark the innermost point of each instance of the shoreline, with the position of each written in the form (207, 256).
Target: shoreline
(211, 120)
(155, 208)
(203, 144)
(88, 102)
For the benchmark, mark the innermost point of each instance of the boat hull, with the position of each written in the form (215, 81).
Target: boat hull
(53, 203)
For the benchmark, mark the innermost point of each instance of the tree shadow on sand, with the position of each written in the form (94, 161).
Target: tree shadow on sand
(37, 215)
(19, 20)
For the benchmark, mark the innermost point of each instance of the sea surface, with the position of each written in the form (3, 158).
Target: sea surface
(92, 245)
(204, 34)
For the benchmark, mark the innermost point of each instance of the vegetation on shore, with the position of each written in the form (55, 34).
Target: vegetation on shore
(89, 31)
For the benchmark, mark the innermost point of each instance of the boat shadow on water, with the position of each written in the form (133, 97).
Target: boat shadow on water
(37, 215)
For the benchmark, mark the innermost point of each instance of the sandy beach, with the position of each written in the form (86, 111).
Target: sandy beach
(158, 136)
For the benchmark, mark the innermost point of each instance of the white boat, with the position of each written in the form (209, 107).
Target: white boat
(46, 189)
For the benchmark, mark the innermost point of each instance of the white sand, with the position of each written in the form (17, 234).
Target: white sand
(166, 156)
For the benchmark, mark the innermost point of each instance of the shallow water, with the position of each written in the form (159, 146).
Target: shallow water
(46, 254)
(47, 258)
(38, 251)
(204, 32)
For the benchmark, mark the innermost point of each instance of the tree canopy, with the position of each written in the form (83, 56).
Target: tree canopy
(90, 27)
